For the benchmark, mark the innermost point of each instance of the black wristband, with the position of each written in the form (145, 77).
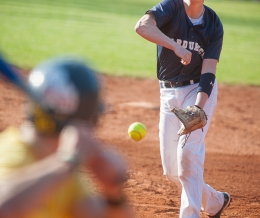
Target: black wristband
(206, 83)
(198, 107)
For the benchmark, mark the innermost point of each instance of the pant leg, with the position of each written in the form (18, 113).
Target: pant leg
(168, 128)
(212, 200)
(195, 192)
(187, 164)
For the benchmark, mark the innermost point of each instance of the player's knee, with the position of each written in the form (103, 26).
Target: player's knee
(184, 175)
(172, 178)
(190, 165)
(188, 174)
(186, 171)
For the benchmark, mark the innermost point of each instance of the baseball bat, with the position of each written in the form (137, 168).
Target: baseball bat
(14, 78)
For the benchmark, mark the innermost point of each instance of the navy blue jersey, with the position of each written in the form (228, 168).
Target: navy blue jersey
(203, 40)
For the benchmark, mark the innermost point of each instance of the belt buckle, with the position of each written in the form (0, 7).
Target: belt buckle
(173, 84)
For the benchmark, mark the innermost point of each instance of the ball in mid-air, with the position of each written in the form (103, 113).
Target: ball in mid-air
(137, 131)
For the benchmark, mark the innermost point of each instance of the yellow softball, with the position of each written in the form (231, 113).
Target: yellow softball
(137, 131)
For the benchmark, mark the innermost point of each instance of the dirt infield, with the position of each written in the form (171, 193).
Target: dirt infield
(232, 144)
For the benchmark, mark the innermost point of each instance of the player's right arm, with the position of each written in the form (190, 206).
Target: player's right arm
(147, 28)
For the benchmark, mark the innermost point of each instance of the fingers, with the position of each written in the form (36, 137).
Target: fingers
(186, 59)
(77, 140)
(68, 138)
(183, 53)
(184, 62)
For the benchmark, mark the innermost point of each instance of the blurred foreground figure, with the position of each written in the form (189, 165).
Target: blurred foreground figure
(40, 165)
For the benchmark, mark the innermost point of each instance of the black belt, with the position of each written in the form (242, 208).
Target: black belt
(168, 84)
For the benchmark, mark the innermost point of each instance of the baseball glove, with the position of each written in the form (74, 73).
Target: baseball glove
(193, 118)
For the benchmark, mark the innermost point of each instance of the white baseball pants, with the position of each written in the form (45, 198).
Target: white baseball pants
(185, 166)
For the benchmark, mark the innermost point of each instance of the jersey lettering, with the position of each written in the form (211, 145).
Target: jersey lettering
(192, 46)
(178, 41)
(201, 52)
(196, 47)
(185, 44)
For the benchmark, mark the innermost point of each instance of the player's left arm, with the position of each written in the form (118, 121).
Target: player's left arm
(209, 64)
(194, 117)
(208, 73)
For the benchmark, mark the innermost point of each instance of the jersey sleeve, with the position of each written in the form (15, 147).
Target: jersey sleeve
(15, 153)
(163, 12)
(214, 48)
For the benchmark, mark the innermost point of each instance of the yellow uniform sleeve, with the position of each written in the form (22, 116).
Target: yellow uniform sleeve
(14, 154)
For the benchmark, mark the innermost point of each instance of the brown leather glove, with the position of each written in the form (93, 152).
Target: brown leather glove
(192, 118)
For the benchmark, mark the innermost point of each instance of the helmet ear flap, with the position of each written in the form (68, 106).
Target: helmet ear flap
(42, 121)
(46, 123)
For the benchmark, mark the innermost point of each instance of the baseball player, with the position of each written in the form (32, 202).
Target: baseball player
(41, 165)
(189, 39)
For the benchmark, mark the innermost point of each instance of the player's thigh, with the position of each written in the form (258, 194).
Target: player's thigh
(168, 128)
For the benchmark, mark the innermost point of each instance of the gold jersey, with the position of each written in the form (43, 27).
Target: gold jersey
(16, 154)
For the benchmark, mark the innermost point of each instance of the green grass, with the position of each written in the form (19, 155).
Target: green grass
(241, 50)
(103, 32)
